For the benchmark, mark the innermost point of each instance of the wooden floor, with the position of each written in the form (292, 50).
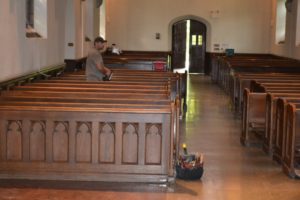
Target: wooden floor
(231, 171)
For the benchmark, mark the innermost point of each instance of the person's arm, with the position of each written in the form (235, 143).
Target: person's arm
(103, 69)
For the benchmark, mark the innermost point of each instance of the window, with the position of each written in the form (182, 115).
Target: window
(29, 14)
(194, 40)
(200, 40)
(36, 18)
(197, 40)
(280, 22)
(298, 24)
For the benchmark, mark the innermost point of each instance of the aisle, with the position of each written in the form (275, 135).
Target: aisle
(231, 170)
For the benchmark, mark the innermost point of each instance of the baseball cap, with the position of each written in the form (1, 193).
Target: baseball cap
(99, 39)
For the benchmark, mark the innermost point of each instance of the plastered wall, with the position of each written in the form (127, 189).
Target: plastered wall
(241, 24)
(21, 55)
(68, 21)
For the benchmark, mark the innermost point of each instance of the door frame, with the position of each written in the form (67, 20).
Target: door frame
(191, 17)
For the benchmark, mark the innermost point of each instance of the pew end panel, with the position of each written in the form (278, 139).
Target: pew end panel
(244, 84)
(269, 129)
(253, 116)
(292, 132)
(87, 146)
(280, 134)
(278, 131)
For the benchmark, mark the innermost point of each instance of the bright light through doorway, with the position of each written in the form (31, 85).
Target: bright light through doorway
(187, 52)
(187, 46)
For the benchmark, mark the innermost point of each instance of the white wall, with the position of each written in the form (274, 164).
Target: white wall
(102, 28)
(74, 29)
(68, 21)
(242, 24)
(70, 33)
(82, 19)
(289, 48)
(21, 55)
(248, 26)
(89, 18)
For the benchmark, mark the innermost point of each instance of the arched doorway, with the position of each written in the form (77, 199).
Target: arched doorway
(189, 45)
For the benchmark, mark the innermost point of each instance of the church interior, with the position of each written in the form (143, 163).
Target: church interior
(203, 101)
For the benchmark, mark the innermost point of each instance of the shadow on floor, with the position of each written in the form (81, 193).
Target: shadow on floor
(99, 186)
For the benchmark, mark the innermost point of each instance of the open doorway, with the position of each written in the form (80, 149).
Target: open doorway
(189, 46)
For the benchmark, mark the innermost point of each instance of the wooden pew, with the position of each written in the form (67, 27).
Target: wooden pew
(291, 150)
(130, 72)
(252, 115)
(76, 94)
(88, 92)
(137, 60)
(230, 67)
(220, 61)
(279, 133)
(94, 90)
(127, 60)
(267, 86)
(81, 106)
(62, 92)
(271, 118)
(96, 85)
(143, 78)
(178, 82)
(254, 111)
(97, 102)
(51, 142)
(129, 172)
(135, 92)
(70, 81)
(261, 86)
(141, 73)
(246, 82)
(181, 79)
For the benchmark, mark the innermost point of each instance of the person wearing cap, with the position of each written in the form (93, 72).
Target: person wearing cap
(95, 69)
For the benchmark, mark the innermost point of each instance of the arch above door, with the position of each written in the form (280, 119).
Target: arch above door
(189, 44)
(191, 17)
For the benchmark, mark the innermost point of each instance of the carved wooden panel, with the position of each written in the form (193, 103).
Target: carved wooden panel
(107, 143)
(130, 143)
(14, 141)
(84, 142)
(60, 141)
(37, 141)
(153, 143)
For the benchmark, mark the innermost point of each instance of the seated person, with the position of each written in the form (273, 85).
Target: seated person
(95, 69)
